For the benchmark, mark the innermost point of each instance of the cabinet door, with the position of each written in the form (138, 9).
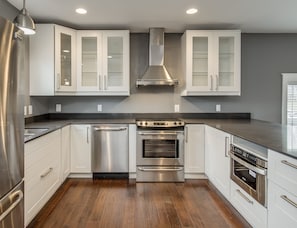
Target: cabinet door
(217, 145)
(194, 149)
(65, 64)
(226, 58)
(198, 61)
(89, 61)
(116, 61)
(65, 153)
(80, 149)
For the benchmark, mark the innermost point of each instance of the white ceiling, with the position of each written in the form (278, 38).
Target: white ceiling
(251, 16)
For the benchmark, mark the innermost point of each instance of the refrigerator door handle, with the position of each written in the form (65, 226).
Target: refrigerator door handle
(18, 195)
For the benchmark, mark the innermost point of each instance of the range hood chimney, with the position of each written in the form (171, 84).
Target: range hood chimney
(156, 73)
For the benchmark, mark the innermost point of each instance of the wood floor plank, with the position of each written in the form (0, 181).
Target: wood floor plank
(120, 203)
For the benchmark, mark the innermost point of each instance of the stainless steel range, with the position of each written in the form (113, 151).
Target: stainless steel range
(160, 151)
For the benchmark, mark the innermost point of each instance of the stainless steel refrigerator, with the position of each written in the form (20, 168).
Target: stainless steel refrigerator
(11, 126)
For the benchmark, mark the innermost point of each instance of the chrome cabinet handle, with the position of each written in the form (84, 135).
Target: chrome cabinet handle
(217, 82)
(246, 164)
(226, 146)
(166, 169)
(88, 135)
(284, 197)
(110, 128)
(243, 196)
(186, 136)
(19, 194)
(46, 173)
(58, 81)
(289, 164)
(211, 82)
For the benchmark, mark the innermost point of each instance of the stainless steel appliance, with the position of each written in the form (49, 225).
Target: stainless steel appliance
(110, 151)
(11, 126)
(160, 151)
(249, 169)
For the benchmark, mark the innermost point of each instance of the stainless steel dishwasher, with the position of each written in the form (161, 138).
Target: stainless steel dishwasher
(110, 151)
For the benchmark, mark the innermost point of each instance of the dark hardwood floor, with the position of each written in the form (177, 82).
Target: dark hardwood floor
(118, 203)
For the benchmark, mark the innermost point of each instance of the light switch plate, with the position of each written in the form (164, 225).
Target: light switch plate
(58, 107)
(30, 110)
(218, 108)
(99, 108)
(176, 108)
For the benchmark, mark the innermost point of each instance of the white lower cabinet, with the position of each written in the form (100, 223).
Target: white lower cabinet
(80, 149)
(132, 151)
(42, 172)
(65, 153)
(194, 151)
(217, 160)
(248, 207)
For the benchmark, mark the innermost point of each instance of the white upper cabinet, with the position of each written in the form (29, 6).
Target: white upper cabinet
(103, 62)
(64, 61)
(65, 70)
(211, 62)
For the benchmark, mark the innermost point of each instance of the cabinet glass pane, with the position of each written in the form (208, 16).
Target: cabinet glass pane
(115, 61)
(89, 61)
(65, 60)
(200, 61)
(226, 61)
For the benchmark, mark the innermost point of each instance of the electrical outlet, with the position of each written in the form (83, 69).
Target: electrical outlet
(176, 108)
(58, 107)
(218, 108)
(25, 110)
(30, 110)
(99, 108)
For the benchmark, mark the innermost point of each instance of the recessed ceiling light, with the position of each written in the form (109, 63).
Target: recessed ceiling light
(192, 11)
(81, 11)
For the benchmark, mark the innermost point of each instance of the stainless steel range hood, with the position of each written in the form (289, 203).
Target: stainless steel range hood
(156, 73)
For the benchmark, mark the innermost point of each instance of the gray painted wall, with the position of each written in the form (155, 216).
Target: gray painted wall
(264, 58)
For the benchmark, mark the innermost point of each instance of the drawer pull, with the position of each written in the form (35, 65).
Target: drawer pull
(289, 164)
(243, 196)
(289, 201)
(46, 173)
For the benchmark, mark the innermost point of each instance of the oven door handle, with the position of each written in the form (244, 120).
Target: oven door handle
(249, 166)
(158, 133)
(157, 169)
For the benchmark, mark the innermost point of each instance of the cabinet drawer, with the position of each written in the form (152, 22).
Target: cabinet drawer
(282, 207)
(248, 207)
(282, 170)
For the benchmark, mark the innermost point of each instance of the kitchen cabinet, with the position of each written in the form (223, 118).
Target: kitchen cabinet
(282, 190)
(103, 62)
(65, 153)
(80, 149)
(248, 207)
(194, 151)
(211, 62)
(217, 160)
(132, 151)
(42, 172)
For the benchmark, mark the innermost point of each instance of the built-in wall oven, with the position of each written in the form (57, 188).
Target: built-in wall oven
(249, 168)
(160, 151)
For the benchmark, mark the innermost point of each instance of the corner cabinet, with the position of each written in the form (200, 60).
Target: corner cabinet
(71, 62)
(103, 62)
(211, 62)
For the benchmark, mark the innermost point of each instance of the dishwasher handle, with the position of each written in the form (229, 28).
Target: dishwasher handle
(110, 128)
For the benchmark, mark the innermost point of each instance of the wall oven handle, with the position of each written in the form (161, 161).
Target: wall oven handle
(284, 197)
(243, 196)
(110, 128)
(157, 133)
(251, 167)
(18, 195)
(157, 169)
(289, 164)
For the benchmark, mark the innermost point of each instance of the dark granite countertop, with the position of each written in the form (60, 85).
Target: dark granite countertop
(273, 136)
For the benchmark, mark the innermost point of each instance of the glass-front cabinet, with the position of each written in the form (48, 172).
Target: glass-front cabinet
(211, 62)
(103, 62)
(65, 64)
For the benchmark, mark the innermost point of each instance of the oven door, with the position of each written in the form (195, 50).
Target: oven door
(160, 148)
(250, 178)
